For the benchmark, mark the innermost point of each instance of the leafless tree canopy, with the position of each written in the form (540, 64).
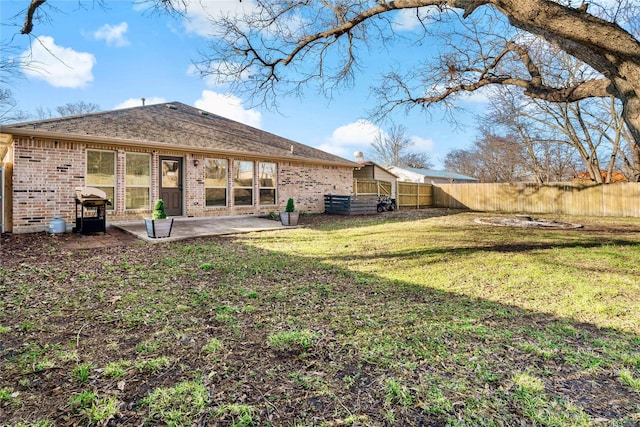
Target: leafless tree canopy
(284, 46)
(394, 148)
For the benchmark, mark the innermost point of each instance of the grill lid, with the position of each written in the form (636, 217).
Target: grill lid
(85, 193)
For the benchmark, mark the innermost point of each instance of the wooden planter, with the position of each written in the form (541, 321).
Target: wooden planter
(289, 218)
(158, 228)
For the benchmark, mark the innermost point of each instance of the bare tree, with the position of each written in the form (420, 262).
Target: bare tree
(9, 111)
(68, 109)
(276, 45)
(393, 149)
(418, 160)
(462, 161)
(79, 107)
(492, 158)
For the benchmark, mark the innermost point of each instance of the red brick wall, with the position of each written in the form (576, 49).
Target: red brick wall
(46, 172)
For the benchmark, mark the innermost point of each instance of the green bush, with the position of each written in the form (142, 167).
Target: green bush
(159, 211)
(290, 206)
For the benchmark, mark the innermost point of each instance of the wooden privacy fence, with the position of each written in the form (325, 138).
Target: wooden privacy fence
(410, 194)
(416, 195)
(622, 199)
(371, 188)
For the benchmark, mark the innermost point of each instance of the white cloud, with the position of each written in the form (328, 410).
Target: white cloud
(137, 102)
(229, 106)
(59, 66)
(410, 19)
(113, 35)
(199, 13)
(422, 144)
(218, 80)
(347, 139)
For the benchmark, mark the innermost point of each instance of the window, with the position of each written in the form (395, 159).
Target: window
(242, 183)
(267, 180)
(101, 173)
(215, 182)
(137, 181)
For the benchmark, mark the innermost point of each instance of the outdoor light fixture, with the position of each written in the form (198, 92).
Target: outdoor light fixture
(196, 162)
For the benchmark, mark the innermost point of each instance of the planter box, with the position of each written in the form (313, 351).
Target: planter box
(159, 228)
(289, 218)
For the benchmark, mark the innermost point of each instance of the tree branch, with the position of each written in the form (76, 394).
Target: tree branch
(28, 20)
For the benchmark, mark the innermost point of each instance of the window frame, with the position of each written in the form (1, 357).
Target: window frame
(127, 186)
(114, 200)
(236, 164)
(225, 187)
(273, 188)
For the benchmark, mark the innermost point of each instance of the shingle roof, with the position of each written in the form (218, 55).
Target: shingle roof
(174, 125)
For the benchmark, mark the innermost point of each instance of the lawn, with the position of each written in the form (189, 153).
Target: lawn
(421, 319)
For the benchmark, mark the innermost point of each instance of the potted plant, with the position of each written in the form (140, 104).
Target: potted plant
(289, 216)
(159, 225)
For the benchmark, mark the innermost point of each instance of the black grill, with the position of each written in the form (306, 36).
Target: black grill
(91, 210)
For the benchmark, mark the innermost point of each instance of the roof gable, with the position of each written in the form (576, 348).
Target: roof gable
(176, 125)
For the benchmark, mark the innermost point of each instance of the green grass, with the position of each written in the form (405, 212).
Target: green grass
(364, 321)
(180, 405)
(292, 340)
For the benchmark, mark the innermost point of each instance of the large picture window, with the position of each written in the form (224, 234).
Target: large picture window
(267, 181)
(137, 180)
(101, 173)
(215, 182)
(242, 183)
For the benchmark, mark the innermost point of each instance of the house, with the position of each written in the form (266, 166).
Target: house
(429, 176)
(199, 163)
(368, 172)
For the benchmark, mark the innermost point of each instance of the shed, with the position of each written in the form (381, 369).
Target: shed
(370, 172)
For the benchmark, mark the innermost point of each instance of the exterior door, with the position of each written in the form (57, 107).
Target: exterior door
(171, 184)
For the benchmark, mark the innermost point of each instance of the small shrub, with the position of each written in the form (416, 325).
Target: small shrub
(159, 211)
(290, 205)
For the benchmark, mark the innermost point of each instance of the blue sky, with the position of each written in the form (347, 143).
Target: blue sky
(115, 56)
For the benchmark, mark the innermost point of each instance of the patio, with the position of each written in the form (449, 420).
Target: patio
(129, 232)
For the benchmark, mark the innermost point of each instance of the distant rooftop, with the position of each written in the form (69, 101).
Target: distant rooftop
(432, 173)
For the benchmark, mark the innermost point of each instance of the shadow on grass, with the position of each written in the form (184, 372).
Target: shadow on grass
(384, 352)
(340, 222)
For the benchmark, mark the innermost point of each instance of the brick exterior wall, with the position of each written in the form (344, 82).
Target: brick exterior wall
(46, 172)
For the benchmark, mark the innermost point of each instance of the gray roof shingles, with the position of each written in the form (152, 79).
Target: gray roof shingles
(180, 126)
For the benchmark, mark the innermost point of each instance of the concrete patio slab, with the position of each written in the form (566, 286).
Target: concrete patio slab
(185, 228)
